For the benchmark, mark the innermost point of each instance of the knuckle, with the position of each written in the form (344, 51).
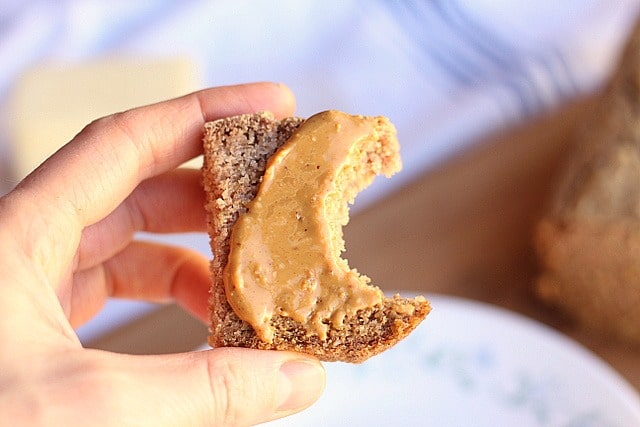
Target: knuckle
(228, 390)
(120, 121)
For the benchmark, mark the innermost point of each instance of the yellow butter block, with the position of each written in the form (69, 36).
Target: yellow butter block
(51, 104)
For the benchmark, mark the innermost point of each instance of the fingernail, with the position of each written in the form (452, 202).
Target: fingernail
(301, 383)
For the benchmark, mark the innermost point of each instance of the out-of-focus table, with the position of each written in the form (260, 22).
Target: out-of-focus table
(463, 229)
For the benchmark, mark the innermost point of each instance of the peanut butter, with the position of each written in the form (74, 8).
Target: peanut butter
(285, 250)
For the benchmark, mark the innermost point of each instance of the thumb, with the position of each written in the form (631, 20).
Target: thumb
(221, 387)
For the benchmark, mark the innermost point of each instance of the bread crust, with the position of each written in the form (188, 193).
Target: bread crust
(236, 150)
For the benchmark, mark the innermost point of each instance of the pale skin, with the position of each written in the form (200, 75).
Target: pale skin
(66, 245)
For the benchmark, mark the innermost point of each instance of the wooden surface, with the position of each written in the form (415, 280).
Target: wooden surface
(465, 228)
(462, 229)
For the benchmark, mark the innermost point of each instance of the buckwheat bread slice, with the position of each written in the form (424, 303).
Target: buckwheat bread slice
(236, 151)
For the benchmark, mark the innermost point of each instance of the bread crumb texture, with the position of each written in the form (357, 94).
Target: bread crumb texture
(236, 151)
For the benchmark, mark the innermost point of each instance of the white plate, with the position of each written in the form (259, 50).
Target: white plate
(471, 364)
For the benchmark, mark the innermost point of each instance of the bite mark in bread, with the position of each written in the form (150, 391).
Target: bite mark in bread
(236, 154)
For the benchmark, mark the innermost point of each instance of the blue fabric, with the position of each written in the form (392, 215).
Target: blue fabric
(444, 71)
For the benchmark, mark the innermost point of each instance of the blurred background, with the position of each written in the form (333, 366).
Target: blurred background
(447, 73)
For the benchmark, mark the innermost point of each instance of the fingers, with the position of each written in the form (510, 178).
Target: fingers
(235, 387)
(169, 203)
(144, 271)
(115, 153)
(89, 177)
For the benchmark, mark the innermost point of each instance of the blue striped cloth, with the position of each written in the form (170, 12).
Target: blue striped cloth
(444, 71)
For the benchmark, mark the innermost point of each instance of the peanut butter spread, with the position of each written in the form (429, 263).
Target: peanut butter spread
(285, 250)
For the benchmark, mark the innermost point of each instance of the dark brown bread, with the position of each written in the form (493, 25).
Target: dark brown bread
(236, 151)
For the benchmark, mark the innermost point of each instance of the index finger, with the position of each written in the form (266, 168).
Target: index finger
(106, 160)
(91, 175)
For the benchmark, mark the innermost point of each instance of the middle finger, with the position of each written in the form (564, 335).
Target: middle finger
(169, 203)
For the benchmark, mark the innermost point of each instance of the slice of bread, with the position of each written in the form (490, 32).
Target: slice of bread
(236, 150)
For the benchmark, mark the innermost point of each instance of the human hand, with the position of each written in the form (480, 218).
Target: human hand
(66, 234)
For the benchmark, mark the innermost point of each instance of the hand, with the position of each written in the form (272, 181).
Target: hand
(66, 245)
